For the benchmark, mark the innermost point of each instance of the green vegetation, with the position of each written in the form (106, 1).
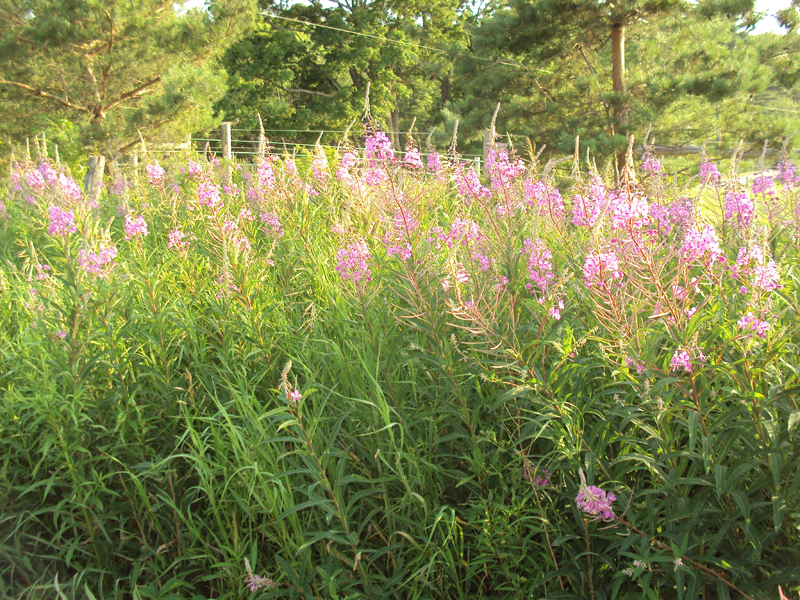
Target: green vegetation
(382, 385)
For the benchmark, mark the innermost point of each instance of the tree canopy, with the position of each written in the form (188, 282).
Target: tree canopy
(116, 69)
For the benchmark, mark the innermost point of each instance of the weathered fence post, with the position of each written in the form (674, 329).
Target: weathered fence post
(93, 180)
(226, 141)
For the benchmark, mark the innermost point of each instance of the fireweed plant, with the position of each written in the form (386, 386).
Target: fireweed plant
(377, 375)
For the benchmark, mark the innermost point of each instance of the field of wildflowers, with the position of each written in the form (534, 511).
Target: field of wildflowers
(366, 376)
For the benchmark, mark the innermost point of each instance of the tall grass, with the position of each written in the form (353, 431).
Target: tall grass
(284, 392)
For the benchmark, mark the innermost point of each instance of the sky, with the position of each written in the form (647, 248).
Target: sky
(768, 24)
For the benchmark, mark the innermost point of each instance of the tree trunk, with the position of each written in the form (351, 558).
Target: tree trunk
(93, 180)
(618, 76)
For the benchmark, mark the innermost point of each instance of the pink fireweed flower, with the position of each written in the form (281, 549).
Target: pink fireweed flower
(48, 172)
(628, 210)
(34, 180)
(503, 169)
(176, 239)
(650, 163)
(319, 167)
(588, 205)
(434, 162)
(766, 277)
(377, 147)
(257, 582)
(119, 186)
(468, 183)
(540, 264)
(135, 227)
(412, 159)
(100, 263)
(272, 224)
(352, 262)
(41, 271)
(739, 207)
(156, 173)
(194, 170)
(598, 269)
(753, 324)
(546, 199)
(634, 364)
(401, 250)
(555, 311)
(786, 174)
(208, 194)
(69, 187)
(458, 275)
(683, 360)
(701, 244)
(764, 185)
(295, 396)
(542, 479)
(61, 334)
(62, 222)
(709, 173)
(594, 501)
(500, 285)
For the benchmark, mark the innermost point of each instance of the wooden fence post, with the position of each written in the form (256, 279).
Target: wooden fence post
(226, 141)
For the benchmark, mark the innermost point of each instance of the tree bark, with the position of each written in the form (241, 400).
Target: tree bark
(618, 77)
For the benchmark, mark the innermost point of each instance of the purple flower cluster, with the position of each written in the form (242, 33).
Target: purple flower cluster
(635, 364)
(766, 277)
(754, 325)
(156, 173)
(540, 264)
(595, 502)
(598, 269)
(135, 227)
(208, 194)
(628, 210)
(435, 163)
(352, 263)
(764, 185)
(176, 239)
(786, 175)
(545, 198)
(378, 147)
(62, 222)
(257, 582)
(541, 479)
(99, 263)
(738, 206)
(701, 244)
(650, 163)
(709, 173)
(502, 168)
(588, 205)
(273, 224)
(412, 159)
(468, 184)
(683, 360)
(319, 167)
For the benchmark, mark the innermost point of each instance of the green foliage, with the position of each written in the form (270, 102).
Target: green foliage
(149, 442)
(114, 69)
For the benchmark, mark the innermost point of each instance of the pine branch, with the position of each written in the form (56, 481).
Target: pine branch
(133, 93)
(43, 94)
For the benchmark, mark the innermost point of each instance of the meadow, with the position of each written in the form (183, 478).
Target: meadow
(373, 376)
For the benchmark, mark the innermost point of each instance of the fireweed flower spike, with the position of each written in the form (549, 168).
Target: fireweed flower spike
(256, 582)
(594, 501)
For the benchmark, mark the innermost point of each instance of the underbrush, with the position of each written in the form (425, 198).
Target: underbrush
(368, 378)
